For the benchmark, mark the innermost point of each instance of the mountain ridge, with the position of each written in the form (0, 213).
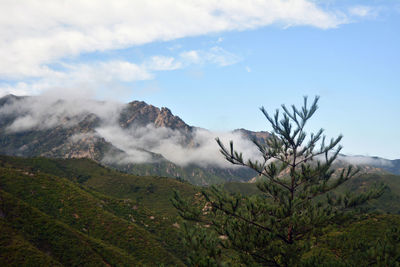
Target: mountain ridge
(81, 139)
(132, 137)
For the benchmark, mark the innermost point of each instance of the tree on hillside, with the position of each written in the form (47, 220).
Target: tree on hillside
(296, 200)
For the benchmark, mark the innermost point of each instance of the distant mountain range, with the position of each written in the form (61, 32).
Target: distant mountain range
(135, 138)
(391, 166)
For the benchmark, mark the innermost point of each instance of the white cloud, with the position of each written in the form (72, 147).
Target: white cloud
(163, 63)
(37, 33)
(109, 71)
(248, 69)
(215, 55)
(365, 160)
(53, 109)
(20, 88)
(100, 77)
(361, 11)
(191, 56)
(221, 57)
(81, 77)
(137, 142)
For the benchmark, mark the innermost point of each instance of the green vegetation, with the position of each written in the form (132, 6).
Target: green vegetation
(151, 192)
(121, 232)
(56, 239)
(371, 240)
(246, 189)
(15, 250)
(389, 202)
(70, 212)
(298, 205)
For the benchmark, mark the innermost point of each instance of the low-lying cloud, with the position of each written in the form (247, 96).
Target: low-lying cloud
(364, 160)
(202, 150)
(47, 111)
(139, 143)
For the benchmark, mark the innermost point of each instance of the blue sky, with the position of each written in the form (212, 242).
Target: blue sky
(214, 64)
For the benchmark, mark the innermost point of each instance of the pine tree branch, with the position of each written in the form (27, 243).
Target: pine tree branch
(248, 221)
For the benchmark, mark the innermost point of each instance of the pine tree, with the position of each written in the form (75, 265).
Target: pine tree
(277, 227)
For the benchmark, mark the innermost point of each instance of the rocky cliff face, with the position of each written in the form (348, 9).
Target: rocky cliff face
(140, 113)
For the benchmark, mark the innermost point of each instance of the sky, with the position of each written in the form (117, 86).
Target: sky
(215, 63)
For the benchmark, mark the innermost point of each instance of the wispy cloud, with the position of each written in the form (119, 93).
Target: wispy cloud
(215, 55)
(102, 76)
(77, 77)
(163, 63)
(362, 11)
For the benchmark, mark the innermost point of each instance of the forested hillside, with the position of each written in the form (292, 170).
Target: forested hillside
(74, 212)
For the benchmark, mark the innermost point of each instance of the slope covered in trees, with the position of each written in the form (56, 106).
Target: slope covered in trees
(74, 211)
(46, 209)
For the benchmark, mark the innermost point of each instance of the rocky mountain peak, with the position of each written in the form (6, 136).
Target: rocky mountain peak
(166, 110)
(140, 113)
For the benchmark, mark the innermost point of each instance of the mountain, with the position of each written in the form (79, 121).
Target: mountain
(134, 138)
(139, 113)
(392, 166)
(261, 137)
(129, 137)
